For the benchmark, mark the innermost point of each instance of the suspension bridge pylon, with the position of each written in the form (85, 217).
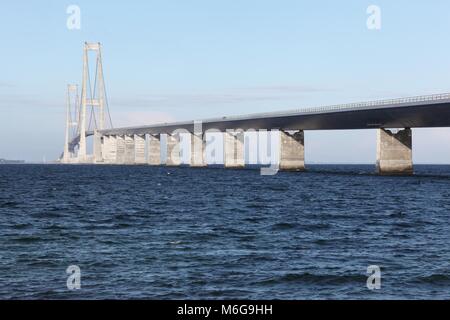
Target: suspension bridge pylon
(88, 115)
(72, 121)
(93, 98)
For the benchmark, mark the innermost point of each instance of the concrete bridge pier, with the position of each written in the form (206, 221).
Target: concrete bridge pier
(109, 149)
(98, 157)
(105, 148)
(139, 144)
(198, 150)
(394, 151)
(120, 157)
(233, 153)
(292, 150)
(154, 150)
(173, 150)
(129, 150)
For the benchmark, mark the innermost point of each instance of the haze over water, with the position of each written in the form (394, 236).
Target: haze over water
(181, 233)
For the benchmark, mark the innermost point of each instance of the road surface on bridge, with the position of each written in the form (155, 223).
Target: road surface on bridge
(415, 112)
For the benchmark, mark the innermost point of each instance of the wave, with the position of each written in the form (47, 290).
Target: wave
(310, 278)
(438, 279)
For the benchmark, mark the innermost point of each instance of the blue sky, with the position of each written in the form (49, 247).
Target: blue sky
(180, 60)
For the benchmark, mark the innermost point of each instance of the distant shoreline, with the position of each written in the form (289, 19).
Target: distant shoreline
(5, 161)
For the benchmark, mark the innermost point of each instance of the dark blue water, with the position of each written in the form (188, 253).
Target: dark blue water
(180, 233)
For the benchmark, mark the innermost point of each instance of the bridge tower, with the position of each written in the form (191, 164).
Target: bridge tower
(93, 98)
(72, 119)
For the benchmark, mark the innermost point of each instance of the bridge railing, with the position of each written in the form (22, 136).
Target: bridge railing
(348, 106)
(386, 102)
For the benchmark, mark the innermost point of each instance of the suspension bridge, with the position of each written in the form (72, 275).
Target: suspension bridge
(89, 115)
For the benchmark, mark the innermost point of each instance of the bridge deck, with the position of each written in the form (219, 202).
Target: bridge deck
(415, 112)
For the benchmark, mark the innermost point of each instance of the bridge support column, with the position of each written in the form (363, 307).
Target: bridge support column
(234, 149)
(139, 142)
(109, 149)
(82, 149)
(394, 152)
(105, 148)
(173, 150)
(98, 157)
(120, 157)
(129, 150)
(154, 150)
(292, 151)
(198, 150)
